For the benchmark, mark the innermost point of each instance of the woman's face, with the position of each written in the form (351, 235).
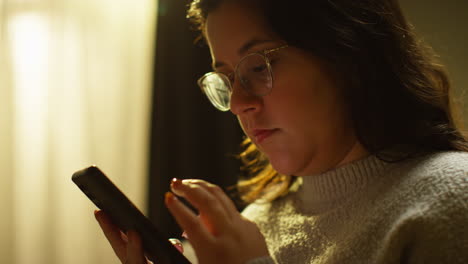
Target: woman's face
(301, 125)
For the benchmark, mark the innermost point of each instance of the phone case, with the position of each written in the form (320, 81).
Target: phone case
(106, 196)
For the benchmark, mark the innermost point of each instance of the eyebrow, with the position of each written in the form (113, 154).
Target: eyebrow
(246, 47)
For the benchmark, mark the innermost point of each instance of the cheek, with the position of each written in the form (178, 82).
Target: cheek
(310, 110)
(294, 98)
(306, 81)
(242, 123)
(308, 92)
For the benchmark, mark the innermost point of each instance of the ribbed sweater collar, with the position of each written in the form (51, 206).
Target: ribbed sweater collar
(323, 191)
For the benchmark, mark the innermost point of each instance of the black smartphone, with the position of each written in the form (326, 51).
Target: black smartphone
(107, 197)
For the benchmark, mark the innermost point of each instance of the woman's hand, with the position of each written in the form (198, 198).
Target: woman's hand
(219, 233)
(127, 247)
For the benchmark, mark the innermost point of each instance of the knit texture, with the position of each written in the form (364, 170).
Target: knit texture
(370, 211)
(261, 260)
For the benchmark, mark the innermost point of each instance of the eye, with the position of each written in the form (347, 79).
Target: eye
(259, 68)
(273, 57)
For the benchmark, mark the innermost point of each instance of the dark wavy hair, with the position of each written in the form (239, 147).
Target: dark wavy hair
(398, 94)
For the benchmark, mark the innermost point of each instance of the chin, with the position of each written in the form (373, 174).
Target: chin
(290, 159)
(285, 166)
(297, 167)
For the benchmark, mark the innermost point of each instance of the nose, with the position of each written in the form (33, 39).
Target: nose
(243, 102)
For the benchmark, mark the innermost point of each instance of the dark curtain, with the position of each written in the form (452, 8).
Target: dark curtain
(189, 137)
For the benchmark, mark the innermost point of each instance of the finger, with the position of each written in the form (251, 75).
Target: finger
(188, 221)
(135, 252)
(113, 234)
(176, 243)
(226, 202)
(210, 208)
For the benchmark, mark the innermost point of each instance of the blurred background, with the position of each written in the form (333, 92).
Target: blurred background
(113, 83)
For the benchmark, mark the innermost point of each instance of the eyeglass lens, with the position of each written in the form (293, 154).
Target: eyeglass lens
(254, 74)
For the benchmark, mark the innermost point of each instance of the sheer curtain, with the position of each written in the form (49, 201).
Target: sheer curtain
(75, 78)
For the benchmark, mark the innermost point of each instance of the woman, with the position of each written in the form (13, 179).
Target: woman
(351, 137)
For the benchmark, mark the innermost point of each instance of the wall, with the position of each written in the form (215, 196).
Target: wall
(443, 25)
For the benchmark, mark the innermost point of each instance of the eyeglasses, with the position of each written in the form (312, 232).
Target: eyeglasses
(254, 73)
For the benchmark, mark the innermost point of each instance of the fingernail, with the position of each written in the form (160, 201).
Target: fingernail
(124, 236)
(177, 244)
(169, 197)
(175, 183)
(96, 214)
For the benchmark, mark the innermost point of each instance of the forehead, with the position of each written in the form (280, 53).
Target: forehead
(231, 26)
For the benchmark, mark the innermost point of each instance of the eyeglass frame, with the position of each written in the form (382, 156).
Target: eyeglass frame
(262, 53)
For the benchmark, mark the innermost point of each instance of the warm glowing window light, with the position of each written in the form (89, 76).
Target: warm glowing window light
(29, 37)
(28, 34)
(79, 91)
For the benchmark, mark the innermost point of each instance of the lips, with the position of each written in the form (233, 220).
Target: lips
(261, 134)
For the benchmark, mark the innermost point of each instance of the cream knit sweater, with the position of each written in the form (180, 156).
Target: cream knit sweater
(370, 211)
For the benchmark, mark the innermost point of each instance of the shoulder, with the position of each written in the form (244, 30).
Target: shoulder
(431, 201)
(440, 178)
(434, 182)
(449, 162)
(264, 212)
(256, 210)
(436, 173)
(424, 203)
